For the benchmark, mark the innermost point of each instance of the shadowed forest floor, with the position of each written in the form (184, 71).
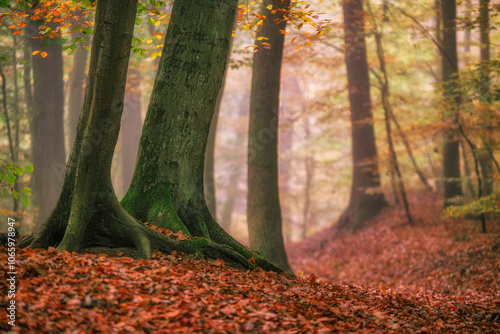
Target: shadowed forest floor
(438, 276)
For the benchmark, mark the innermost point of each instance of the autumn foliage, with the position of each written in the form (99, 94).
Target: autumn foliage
(430, 278)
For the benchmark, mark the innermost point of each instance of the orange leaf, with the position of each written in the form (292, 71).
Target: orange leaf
(43, 54)
(219, 263)
(252, 261)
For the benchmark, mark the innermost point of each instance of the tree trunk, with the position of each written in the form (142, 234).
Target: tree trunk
(88, 214)
(167, 187)
(48, 132)
(451, 154)
(366, 198)
(76, 88)
(385, 94)
(484, 154)
(209, 169)
(263, 205)
(131, 127)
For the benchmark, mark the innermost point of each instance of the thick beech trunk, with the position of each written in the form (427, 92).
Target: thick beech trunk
(451, 153)
(366, 197)
(87, 203)
(167, 187)
(263, 205)
(48, 132)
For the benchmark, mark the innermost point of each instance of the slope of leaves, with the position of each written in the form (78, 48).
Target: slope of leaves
(448, 259)
(94, 293)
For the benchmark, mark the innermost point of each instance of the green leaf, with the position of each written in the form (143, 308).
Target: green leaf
(18, 171)
(28, 168)
(11, 179)
(26, 201)
(27, 191)
(4, 59)
(15, 194)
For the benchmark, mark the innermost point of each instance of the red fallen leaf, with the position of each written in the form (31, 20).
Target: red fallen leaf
(228, 310)
(173, 313)
(74, 302)
(219, 263)
(51, 250)
(120, 254)
(252, 260)
(88, 300)
(312, 279)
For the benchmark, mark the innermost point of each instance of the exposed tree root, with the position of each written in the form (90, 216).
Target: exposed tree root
(114, 228)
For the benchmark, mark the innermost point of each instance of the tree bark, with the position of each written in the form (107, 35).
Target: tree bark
(485, 159)
(48, 132)
(167, 187)
(76, 88)
(451, 154)
(263, 205)
(131, 127)
(366, 198)
(385, 94)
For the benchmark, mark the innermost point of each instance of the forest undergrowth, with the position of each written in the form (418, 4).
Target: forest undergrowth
(438, 276)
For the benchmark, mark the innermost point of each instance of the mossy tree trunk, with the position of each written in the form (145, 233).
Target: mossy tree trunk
(366, 198)
(167, 187)
(263, 204)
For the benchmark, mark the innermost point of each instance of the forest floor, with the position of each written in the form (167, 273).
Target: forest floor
(437, 276)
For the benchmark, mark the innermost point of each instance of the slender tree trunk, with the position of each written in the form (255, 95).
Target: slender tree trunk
(48, 141)
(409, 151)
(290, 94)
(131, 127)
(17, 116)
(385, 93)
(233, 190)
(263, 205)
(309, 165)
(451, 153)
(484, 155)
(468, 179)
(366, 198)
(209, 170)
(467, 37)
(233, 193)
(76, 88)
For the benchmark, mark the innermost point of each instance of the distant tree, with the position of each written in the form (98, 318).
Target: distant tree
(366, 198)
(449, 58)
(485, 156)
(76, 87)
(131, 126)
(48, 133)
(263, 204)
